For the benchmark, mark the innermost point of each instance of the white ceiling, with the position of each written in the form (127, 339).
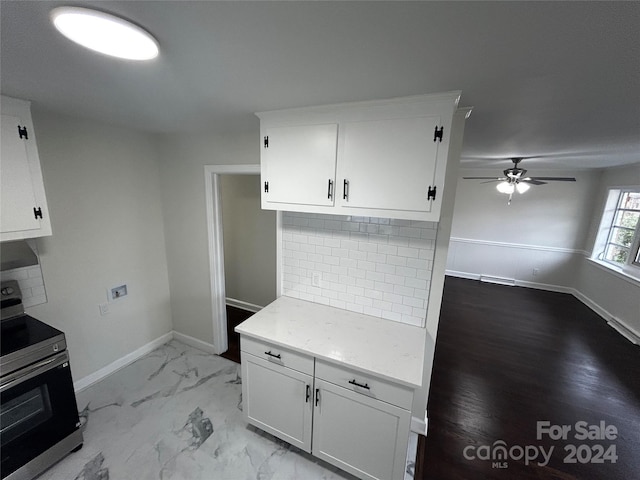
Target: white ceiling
(556, 80)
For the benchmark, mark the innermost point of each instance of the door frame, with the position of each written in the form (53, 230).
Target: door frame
(216, 247)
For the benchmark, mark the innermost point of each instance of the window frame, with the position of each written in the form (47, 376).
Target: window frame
(631, 266)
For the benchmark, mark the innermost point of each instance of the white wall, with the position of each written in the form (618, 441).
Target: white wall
(610, 294)
(544, 229)
(102, 186)
(249, 241)
(182, 159)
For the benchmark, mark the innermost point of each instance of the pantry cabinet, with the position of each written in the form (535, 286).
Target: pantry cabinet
(357, 422)
(24, 211)
(383, 158)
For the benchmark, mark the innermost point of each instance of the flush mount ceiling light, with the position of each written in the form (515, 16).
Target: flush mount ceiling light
(104, 33)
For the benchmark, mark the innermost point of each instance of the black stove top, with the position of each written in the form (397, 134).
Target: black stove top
(24, 331)
(24, 339)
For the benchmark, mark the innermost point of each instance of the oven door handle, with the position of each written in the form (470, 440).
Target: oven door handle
(27, 373)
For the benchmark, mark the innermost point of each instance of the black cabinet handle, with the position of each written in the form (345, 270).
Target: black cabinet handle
(317, 396)
(353, 382)
(308, 393)
(330, 190)
(345, 190)
(278, 356)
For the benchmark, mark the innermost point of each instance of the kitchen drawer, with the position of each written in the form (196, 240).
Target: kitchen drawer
(277, 355)
(368, 385)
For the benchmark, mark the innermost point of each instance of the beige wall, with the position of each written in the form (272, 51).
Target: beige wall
(249, 241)
(182, 159)
(551, 229)
(538, 240)
(103, 191)
(554, 215)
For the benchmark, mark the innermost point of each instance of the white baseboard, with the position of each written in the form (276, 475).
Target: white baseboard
(195, 343)
(629, 333)
(510, 281)
(251, 307)
(467, 275)
(419, 425)
(545, 286)
(121, 363)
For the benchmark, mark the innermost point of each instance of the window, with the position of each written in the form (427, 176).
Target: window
(621, 224)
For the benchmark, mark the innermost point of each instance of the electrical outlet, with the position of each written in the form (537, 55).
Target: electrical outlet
(104, 309)
(315, 279)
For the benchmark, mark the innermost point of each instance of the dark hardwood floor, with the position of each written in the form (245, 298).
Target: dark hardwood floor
(235, 316)
(508, 357)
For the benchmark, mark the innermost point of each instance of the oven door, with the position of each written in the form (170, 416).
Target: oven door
(37, 409)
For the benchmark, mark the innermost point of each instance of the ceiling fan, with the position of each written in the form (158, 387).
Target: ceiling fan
(514, 180)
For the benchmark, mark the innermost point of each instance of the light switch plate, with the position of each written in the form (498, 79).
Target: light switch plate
(104, 309)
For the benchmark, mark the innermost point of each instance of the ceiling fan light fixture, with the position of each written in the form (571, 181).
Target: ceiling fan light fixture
(505, 187)
(104, 33)
(522, 187)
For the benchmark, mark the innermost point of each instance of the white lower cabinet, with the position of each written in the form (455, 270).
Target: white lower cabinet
(356, 422)
(275, 397)
(363, 436)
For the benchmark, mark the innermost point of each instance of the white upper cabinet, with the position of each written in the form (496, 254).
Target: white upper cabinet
(384, 158)
(299, 164)
(23, 203)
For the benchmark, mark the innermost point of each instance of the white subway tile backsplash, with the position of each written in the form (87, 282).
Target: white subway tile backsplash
(376, 266)
(31, 284)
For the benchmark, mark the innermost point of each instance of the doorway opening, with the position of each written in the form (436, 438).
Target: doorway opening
(243, 276)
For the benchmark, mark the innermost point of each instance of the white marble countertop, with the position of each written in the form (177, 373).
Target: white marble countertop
(387, 349)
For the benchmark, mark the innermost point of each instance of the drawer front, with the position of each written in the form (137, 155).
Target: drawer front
(365, 384)
(277, 355)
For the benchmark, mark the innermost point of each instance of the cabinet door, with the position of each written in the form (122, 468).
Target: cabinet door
(361, 435)
(17, 188)
(278, 400)
(23, 203)
(388, 164)
(299, 165)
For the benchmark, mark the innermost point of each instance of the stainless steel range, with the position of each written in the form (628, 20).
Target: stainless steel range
(39, 422)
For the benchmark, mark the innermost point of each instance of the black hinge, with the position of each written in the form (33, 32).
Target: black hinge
(266, 141)
(37, 212)
(437, 134)
(22, 132)
(266, 187)
(431, 193)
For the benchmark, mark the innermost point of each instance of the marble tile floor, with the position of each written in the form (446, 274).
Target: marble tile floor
(176, 414)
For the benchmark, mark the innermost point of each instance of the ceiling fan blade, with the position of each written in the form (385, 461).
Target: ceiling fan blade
(533, 181)
(555, 179)
(494, 180)
(481, 178)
